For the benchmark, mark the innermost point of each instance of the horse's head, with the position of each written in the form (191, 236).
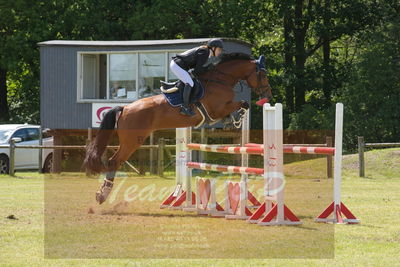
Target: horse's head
(258, 80)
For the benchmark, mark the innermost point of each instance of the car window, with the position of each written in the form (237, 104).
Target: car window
(21, 133)
(33, 134)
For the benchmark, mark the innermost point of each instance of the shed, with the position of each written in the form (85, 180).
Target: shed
(78, 77)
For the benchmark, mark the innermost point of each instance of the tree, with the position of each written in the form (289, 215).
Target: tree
(372, 94)
(308, 25)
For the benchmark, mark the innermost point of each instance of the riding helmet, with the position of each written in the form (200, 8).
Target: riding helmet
(215, 42)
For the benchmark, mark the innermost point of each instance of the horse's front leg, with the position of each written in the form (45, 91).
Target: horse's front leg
(232, 106)
(241, 107)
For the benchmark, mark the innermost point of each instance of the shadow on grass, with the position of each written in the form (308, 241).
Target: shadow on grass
(152, 214)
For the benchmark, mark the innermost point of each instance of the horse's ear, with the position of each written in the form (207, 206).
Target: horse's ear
(260, 62)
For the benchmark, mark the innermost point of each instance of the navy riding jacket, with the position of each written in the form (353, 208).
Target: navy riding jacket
(194, 58)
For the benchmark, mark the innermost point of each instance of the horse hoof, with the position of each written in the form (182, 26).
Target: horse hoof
(104, 191)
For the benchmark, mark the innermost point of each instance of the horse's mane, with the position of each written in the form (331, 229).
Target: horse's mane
(226, 58)
(234, 56)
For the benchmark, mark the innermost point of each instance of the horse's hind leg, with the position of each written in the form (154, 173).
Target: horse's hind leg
(130, 141)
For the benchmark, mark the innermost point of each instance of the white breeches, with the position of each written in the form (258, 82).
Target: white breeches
(182, 74)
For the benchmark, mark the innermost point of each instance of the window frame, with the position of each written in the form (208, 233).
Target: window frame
(79, 85)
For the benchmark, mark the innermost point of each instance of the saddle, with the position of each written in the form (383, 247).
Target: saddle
(173, 92)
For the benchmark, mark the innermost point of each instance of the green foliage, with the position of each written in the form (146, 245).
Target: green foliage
(372, 94)
(311, 118)
(318, 52)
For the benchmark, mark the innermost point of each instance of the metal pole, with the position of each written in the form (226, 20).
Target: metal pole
(12, 158)
(361, 162)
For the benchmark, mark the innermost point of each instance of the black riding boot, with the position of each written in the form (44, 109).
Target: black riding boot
(185, 109)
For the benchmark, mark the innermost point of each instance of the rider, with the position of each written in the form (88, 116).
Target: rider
(195, 59)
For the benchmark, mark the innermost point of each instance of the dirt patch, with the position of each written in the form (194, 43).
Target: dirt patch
(395, 153)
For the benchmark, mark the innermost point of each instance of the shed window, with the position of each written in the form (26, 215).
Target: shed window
(126, 76)
(152, 67)
(122, 69)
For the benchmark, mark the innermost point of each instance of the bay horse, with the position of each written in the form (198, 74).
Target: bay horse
(135, 121)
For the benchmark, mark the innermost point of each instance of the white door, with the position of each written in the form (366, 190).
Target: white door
(33, 140)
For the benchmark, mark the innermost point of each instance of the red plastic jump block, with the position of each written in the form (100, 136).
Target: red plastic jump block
(253, 199)
(257, 217)
(219, 207)
(167, 202)
(176, 201)
(338, 216)
(257, 214)
(182, 198)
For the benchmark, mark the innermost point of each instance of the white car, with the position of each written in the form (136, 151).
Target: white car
(25, 158)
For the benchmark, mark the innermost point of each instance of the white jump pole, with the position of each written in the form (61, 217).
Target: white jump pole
(244, 163)
(341, 214)
(271, 213)
(176, 198)
(273, 158)
(186, 173)
(245, 140)
(338, 156)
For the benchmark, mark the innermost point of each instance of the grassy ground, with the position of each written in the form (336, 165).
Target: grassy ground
(56, 222)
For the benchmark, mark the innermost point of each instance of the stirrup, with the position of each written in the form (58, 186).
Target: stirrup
(187, 111)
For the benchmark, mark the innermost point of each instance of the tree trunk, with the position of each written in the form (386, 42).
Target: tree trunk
(326, 47)
(300, 32)
(288, 50)
(4, 112)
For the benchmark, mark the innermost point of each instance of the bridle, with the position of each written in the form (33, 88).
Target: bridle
(259, 72)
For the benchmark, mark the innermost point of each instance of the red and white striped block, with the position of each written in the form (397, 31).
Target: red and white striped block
(309, 150)
(227, 149)
(225, 168)
(301, 149)
(257, 149)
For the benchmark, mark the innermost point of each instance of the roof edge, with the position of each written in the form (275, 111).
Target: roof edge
(136, 42)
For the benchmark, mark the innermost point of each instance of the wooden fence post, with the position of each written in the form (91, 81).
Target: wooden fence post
(152, 157)
(361, 163)
(88, 141)
(57, 153)
(329, 158)
(40, 150)
(11, 163)
(160, 156)
(203, 140)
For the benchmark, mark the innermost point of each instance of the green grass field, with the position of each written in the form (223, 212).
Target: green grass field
(54, 221)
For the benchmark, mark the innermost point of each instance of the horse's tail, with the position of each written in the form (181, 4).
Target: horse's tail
(96, 148)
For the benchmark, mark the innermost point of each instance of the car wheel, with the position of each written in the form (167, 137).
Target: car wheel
(48, 164)
(4, 165)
